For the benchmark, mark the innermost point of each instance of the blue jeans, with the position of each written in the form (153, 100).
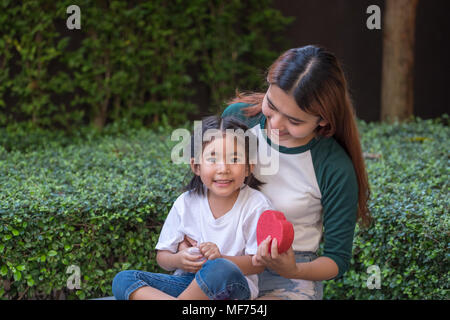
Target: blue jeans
(219, 279)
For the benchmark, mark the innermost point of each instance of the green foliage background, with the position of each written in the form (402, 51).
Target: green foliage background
(410, 236)
(138, 60)
(98, 201)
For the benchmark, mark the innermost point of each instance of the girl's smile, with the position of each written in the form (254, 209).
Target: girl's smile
(223, 183)
(223, 171)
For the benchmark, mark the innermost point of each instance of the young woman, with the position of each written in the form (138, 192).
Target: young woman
(321, 185)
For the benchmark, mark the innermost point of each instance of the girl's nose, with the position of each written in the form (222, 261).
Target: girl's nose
(223, 167)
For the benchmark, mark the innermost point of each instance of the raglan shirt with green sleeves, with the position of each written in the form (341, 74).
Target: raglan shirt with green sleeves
(314, 185)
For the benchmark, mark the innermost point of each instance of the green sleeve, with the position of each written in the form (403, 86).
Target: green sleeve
(339, 188)
(235, 110)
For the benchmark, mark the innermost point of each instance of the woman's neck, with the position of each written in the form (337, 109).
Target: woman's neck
(221, 205)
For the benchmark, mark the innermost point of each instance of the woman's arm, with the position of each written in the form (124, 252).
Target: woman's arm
(211, 252)
(245, 264)
(323, 268)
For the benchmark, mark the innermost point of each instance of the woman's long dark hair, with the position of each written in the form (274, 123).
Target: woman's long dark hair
(314, 77)
(222, 124)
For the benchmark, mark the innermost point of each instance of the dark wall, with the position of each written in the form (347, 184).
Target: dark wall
(340, 26)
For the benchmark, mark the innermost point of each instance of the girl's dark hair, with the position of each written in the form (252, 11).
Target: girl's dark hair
(314, 77)
(222, 124)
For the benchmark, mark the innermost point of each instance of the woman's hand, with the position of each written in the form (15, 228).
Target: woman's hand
(186, 243)
(189, 262)
(210, 250)
(284, 264)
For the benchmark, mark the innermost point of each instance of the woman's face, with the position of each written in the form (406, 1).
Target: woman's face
(296, 127)
(223, 170)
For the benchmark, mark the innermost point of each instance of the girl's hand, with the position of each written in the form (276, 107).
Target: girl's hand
(210, 250)
(284, 264)
(189, 262)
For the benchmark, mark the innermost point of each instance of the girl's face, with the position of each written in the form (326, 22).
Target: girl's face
(296, 127)
(223, 171)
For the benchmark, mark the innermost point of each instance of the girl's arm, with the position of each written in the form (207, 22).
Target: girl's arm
(180, 260)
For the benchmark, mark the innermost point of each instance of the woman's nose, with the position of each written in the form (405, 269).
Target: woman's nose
(276, 122)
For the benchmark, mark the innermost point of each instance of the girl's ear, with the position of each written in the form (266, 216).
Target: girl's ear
(195, 167)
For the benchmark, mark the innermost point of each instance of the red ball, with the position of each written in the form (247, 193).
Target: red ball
(274, 223)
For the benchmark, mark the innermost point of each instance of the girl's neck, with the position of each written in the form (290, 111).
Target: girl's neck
(221, 205)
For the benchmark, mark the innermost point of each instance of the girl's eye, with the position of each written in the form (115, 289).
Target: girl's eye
(212, 160)
(236, 160)
(295, 123)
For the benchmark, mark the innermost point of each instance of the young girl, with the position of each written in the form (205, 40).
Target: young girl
(321, 185)
(219, 211)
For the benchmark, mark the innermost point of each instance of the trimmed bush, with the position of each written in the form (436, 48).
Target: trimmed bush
(98, 201)
(409, 237)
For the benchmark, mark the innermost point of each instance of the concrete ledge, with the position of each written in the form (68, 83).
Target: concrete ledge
(105, 298)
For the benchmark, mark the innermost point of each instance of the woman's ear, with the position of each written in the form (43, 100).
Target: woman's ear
(322, 122)
(195, 167)
(249, 169)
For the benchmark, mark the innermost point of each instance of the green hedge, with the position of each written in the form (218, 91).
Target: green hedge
(98, 201)
(409, 238)
(140, 60)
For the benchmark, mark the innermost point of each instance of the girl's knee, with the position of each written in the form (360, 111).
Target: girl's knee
(121, 282)
(221, 269)
(222, 279)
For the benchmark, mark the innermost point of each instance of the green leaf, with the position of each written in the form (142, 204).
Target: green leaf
(4, 270)
(21, 267)
(81, 294)
(52, 253)
(17, 275)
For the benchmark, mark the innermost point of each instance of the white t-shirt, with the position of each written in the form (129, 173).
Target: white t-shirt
(234, 232)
